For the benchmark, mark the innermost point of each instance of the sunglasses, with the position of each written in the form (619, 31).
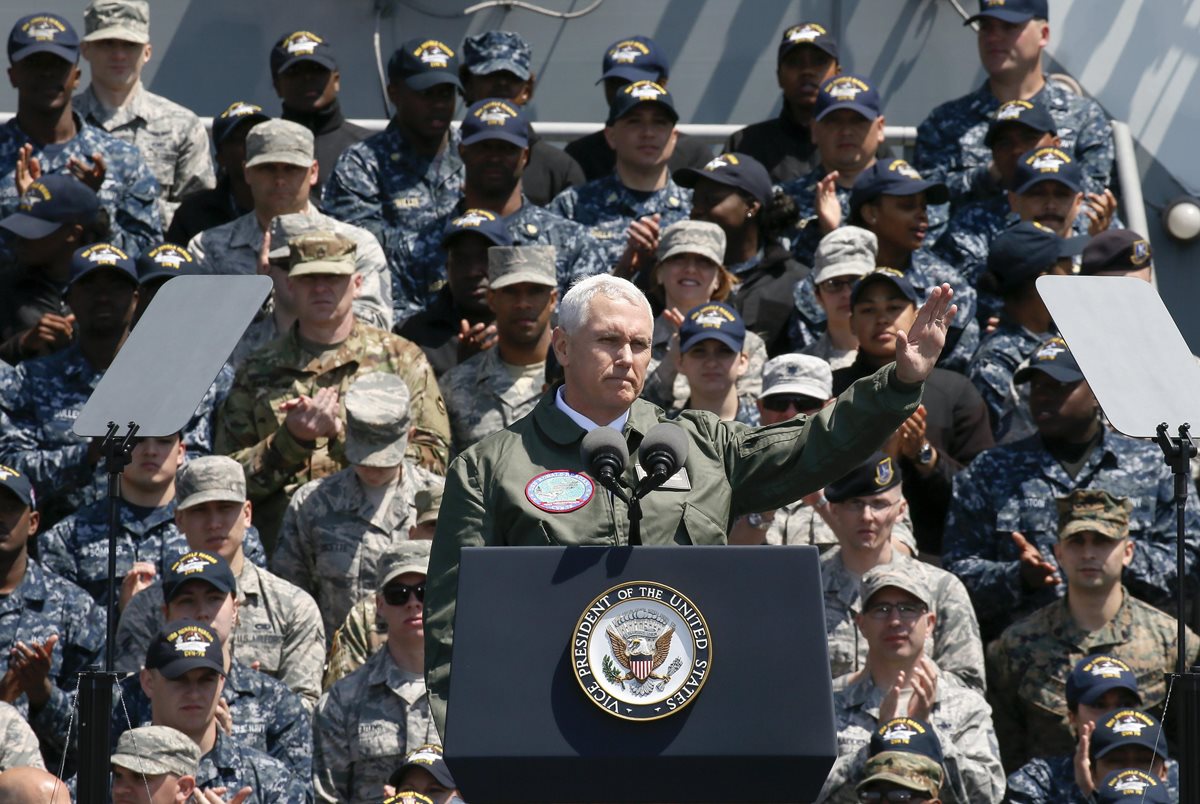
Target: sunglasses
(397, 594)
(838, 284)
(778, 403)
(907, 612)
(873, 796)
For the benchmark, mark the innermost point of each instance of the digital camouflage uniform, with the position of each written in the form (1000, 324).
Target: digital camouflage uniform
(1013, 488)
(803, 191)
(660, 378)
(991, 371)
(799, 523)
(18, 743)
(266, 715)
(129, 192)
(77, 547)
(955, 643)
(1029, 663)
(170, 138)
(363, 728)
(950, 146)
(732, 469)
(278, 626)
(333, 536)
(384, 186)
(41, 606)
(419, 270)
(1051, 780)
(960, 717)
(234, 765)
(233, 248)
(39, 402)
(250, 425)
(360, 635)
(607, 207)
(482, 397)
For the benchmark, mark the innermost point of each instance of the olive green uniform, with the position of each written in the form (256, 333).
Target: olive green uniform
(732, 469)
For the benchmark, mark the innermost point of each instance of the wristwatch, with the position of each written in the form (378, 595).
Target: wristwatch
(758, 522)
(926, 455)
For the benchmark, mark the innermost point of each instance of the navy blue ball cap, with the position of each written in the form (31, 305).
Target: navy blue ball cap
(50, 202)
(1014, 11)
(807, 33)
(1095, 675)
(895, 278)
(1025, 251)
(1124, 727)
(422, 63)
(893, 177)
(1047, 164)
(630, 96)
(298, 46)
(185, 645)
(1028, 113)
(495, 119)
(164, 261)
(17, 484)
(907, 734)
(1052, 358)
(481, 222)
(847, 91)
(877, 474)
(636, 58)
(233, 116)
(198, 565)
(735, 170)
(712, 321)
(101, 257)
(1115, 250)
(1132, 786)
(43, 33)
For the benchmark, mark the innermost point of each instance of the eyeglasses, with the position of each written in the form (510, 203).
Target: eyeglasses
(838, 284)
(778, 403)
(396, 594)
(907, 612)
(875, 796)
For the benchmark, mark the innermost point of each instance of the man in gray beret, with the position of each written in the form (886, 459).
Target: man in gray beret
(155, 760)
(338, 527)
(491, 390)
(843, 256)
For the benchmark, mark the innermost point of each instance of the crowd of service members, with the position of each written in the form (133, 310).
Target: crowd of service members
(994, 577)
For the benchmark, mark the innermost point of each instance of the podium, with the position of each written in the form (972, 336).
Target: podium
(640, 674)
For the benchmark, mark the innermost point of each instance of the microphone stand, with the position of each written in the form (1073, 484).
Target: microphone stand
(633, 502)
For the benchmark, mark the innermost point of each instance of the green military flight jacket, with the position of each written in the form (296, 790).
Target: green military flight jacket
(732, 469)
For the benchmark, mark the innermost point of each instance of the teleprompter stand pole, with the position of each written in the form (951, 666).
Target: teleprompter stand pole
(1184, 684)
(96, 685)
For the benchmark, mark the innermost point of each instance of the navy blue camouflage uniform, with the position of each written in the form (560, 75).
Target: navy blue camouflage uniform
(1051, 780)
(991, 372)
(804, 192)
(1013, 488)
(233, 765)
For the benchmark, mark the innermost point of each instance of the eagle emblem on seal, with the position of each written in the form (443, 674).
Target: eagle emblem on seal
(640, 656)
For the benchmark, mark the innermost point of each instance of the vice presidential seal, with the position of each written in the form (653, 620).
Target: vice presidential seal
(641, 651)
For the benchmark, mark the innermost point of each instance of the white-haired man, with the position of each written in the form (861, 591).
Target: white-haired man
(499, 491)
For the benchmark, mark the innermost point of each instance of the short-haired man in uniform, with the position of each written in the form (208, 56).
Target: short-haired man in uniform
(410, 174)
(1012, 35)
(497, 64)
(602, 341)
(304, 72)
(498, 386)
(170, 137)
(154, 765)
(495, 150)
(337, 528)
(279, 626)
(806, 59)
(626, 61)
(46, 136)
(283, 421)
(1032, 659)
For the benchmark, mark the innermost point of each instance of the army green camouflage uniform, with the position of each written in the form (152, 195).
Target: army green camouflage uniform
(250, 425)
(333, 536)
(732, 470)
(18, 743)
(955, 645)
(908, 769)
(363, 728)
(278, 626)
(961, 718)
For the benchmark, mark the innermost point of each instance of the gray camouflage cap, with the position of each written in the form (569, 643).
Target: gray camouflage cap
(805, 375)
(284, 228)
(508, 265)
(846, 251)
(429, 503)
(410, 556)
(127, 20)
(693, 237)
(279, 141)
(493, 51)
(207, 479)
(155, 750)
(908, 770)
(321, 253)
(377, 420)
(880, 577)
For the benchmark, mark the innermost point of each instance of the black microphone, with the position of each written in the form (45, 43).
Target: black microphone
(662, 452)
(605, 454)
